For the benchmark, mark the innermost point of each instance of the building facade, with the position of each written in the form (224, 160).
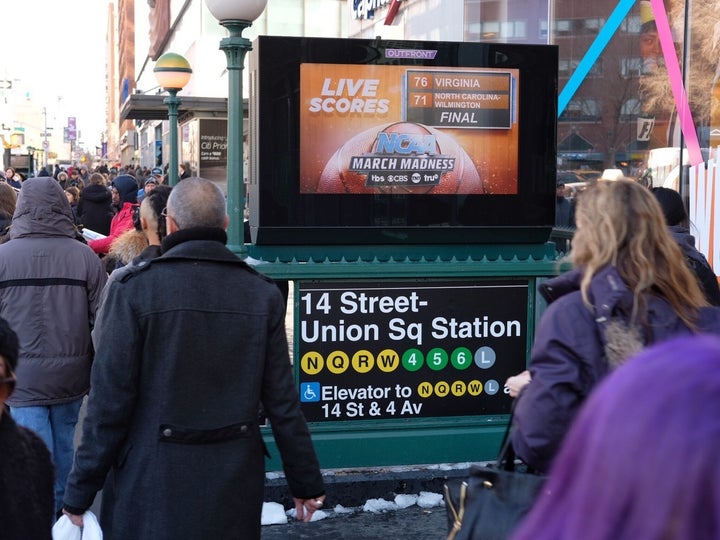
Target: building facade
(619, 110)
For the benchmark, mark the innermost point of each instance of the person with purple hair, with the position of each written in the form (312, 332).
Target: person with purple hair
(640, 461)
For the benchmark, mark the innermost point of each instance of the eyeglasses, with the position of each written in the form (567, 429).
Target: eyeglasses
(164, 212)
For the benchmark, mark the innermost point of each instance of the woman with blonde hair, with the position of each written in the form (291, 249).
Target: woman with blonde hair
(630, 287)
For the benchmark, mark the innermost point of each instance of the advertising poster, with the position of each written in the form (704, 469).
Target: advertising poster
(411, 130)
(213, 149)
(409, 349)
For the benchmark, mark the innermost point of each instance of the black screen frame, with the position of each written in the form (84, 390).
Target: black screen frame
(281, 215)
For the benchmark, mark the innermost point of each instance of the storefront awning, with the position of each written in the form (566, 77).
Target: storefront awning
(151, 107)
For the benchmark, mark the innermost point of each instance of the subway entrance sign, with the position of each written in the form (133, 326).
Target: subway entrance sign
(372, 350)
(407, 189)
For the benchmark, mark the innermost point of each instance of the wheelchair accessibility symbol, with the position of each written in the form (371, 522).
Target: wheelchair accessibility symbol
(309, 392)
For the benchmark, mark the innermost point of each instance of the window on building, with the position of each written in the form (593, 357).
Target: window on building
(582, 110)
(567, 67)
(630, 109)
(631, 67)
(578, 27)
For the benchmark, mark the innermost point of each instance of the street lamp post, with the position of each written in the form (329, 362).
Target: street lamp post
(236, 16)
(172, 72)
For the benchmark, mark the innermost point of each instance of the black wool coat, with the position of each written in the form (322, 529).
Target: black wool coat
(27, 497)
(95, 209)
(187, 347)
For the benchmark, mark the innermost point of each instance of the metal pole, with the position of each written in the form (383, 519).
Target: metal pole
(45, 141)
(173, 102)
(235, 48)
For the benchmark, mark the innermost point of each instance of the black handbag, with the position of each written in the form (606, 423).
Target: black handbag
(492, 501)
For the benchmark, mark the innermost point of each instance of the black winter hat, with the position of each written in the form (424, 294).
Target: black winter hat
(672, 205)
(9, 345)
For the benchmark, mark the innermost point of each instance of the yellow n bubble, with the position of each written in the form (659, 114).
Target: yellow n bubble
(425, 389)
(312, 363)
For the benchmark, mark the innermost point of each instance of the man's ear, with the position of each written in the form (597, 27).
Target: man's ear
(170, 225)
(227, 222)
(143, 223)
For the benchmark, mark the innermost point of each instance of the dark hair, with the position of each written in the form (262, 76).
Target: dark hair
(157, 199)
(136, 218)
(640, 460)
(9, 346)
(672, 205)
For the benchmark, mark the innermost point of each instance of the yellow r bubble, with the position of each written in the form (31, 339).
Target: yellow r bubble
(363, 361)
(458, 388)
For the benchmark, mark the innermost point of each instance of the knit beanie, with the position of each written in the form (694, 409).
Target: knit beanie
(127, 187)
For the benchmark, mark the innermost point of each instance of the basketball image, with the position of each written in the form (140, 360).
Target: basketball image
(401, 157)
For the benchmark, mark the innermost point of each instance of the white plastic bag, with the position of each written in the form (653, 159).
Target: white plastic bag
(65, 530)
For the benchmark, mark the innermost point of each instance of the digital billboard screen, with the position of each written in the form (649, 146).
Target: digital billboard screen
(368, 141)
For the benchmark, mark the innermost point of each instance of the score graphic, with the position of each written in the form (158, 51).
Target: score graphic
(402, 350)
(480, 99)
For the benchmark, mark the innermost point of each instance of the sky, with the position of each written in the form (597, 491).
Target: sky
(55, 50)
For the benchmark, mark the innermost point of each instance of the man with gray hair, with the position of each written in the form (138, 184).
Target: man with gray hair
(188, 346)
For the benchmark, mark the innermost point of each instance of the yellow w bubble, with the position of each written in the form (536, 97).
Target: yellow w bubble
(388, 360)
(474, 387)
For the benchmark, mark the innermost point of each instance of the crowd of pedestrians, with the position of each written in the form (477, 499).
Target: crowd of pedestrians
(176, 375)
(112, 318)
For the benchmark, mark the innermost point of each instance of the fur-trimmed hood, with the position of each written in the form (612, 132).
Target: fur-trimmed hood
(128, 245)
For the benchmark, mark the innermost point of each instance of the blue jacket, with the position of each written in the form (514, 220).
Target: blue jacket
(568, 357)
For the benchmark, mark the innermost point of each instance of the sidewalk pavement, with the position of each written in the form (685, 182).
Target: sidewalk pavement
(411, 523)
(351, 489)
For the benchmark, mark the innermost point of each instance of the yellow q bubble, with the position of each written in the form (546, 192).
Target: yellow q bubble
(338, 362)
(442, 388)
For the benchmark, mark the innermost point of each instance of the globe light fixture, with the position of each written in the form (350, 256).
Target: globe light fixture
(172, 72)
(235, 16)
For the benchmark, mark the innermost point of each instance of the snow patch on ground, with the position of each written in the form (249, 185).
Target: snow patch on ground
(274, 514)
